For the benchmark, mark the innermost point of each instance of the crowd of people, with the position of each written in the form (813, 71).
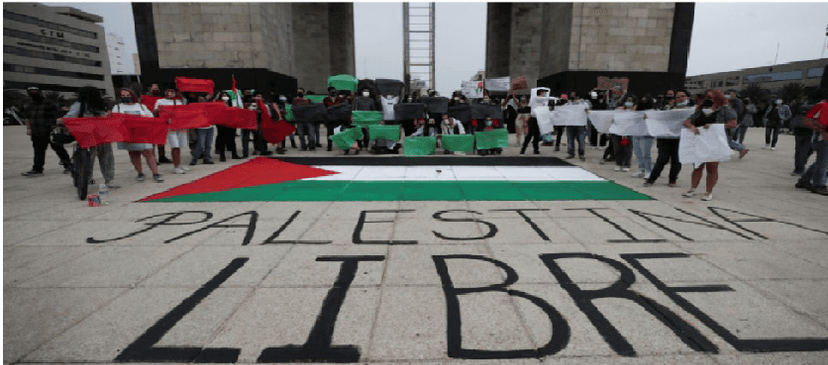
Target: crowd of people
(714, 106)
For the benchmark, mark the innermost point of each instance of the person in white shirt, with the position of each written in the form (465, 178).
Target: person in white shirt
(539, 98)
(129, 105)
(176, 138)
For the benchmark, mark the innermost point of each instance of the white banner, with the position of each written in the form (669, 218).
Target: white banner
(574, 115)
(629, 123)
(499, 84)
(667, 123)
(472, 89)
(544, 117)
(709, 146)
(602, 119)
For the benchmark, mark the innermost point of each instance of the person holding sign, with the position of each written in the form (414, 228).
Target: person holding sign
(721, 112)
(668, 147)
(539, 99)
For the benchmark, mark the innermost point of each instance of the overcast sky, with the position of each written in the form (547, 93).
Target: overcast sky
(726, 36)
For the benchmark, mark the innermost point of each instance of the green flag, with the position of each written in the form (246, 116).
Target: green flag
(458, 142)
(496, 138)
(343, 82)
(390, 132)
(288, 113)
(420, 146)
(345, 139)
(315, 98)
(365, 118)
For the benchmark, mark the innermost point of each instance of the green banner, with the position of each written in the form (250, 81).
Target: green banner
(496, 138)
(288, 113)
(343, 82)
(458, 142)
(389, 132)
(315, 98)
(345, 139)
(366, 118)
(420, 146)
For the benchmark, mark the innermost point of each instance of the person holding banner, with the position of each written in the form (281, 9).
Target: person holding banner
(643, 145)
(540, 99)
(576, 133)
(90, 104)
(129, 105)
(176, 138)
(304, 130)
(225, 136)
(623, 144)
(668, 148)
(722, 113)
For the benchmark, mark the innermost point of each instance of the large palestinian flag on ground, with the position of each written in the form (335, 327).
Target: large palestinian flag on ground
(399, 178)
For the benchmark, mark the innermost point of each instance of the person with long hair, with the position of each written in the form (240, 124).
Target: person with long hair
(90, 104)
(225, 136)
(623, 144)
(721, 113)
(128, 104)
(643, 145)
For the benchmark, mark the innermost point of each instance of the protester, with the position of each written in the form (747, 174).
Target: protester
(775, 117)
(721, 113)
(305, 131)
(540, 99)
(176, 138)
(623, 144)
(643, 145)
(558, 129)
(204, 141)
(336, 98)
(40, 117)
(668, 147)
(225, 136)
(129, 105)
(486, 125)
(90, 104)
(736, 104)
(746, 121)
(522, 120)
(257, 104)
(451, 126)
(576, 132)
(803, 135)
(817, 119)
(509, 107)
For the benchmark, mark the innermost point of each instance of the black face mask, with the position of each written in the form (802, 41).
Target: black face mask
(126, 99)
(707, 103)
(333, 94)
(300, 94)
(37, 97)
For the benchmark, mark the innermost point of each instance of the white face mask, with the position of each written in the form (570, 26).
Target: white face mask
(778, 101)
(365, 94)
(727, 96)
(682, 103)
(225, 98)
(628, 104)
(283, 99)
(593, 95)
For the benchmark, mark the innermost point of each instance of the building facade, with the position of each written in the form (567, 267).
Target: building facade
(265, 46)
(772, 78)
(55, 48)
(117, 54)
(567, 46)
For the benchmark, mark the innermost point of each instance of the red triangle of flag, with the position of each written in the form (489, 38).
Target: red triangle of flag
(258, 171)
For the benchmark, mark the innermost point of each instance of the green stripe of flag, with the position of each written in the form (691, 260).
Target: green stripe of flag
(458, 142)
(338, 190)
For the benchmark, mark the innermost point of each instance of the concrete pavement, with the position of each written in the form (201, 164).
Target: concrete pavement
(739, 280)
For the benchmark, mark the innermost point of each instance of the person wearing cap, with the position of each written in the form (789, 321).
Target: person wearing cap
(41, 117)
(128, 104)
(176, 138)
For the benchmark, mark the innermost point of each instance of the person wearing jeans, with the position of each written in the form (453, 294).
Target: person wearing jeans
(203, 146)
(573, 133)
(775, 117)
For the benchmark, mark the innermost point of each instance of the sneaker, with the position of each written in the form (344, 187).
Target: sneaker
(569, 157)
(32, 173)
(707, 197)
(208, 162)
(185, 168)
(625, 169)
(193, 162)
(742, 153)
(536, 152)
(617, 168)
(795, 173)
(773, 148)
(140, 177)
(672, 184)
(766, 147)
(806, 186)
(582, 158)
(602, 162)
(647, 184)
(111, 184)
(820, 190)
(157, 178)
(178, 170)
(647, 175)
(639, 174)
(689, 193)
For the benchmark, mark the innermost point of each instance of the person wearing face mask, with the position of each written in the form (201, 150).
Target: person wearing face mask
(522, 119)
(40, 116)
(225, 136)
(623, 144)
(746, 121)
(721, 113)
(129, 105)
(643, 145)
(668, 148)
(175, 138)
(775, 117)
(539, 99)
(304, 130)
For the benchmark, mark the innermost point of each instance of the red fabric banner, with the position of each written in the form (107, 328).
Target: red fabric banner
(185, 116)
(150, 100)
(186, 84)
(90, 132)
(276, 131)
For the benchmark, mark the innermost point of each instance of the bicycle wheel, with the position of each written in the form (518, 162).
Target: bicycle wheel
(82, 170)
(76, 161)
